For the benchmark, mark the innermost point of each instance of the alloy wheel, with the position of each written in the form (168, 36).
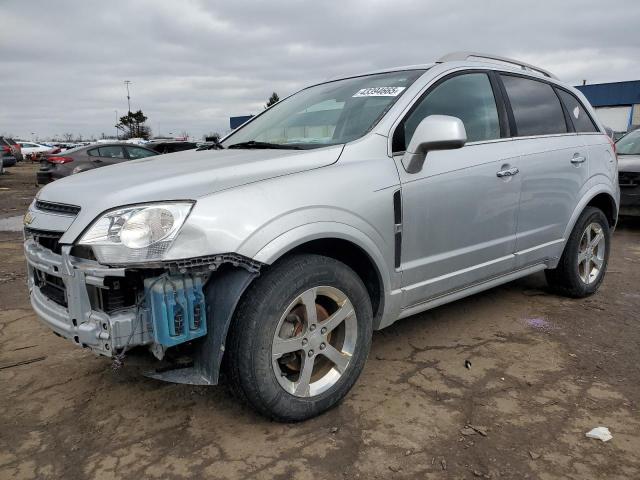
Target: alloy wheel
(591, 253)
(314, 341)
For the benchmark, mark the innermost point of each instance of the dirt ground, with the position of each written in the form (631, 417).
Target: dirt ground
(544, 371)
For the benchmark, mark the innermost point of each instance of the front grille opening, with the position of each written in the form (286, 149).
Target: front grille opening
(51, 287)
(45, 238)
(61, 208)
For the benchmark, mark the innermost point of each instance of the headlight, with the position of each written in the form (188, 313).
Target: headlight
(141, 233)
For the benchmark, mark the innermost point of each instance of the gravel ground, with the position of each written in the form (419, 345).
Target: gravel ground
(543, 371)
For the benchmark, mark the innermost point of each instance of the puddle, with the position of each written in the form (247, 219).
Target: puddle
(11, 224)
(538, 323)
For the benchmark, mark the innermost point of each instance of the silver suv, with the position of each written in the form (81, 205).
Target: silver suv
(273, 255)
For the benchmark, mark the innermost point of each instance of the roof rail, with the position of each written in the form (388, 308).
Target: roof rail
(462, 56)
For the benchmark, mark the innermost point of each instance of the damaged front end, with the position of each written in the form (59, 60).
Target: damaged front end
(186, 304)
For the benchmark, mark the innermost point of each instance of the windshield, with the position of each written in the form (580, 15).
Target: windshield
(327, 114)
(629, 144)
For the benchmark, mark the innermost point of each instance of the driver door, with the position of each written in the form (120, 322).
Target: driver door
(458, 213)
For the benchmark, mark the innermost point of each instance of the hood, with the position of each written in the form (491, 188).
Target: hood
(628, 163)
(186, 175)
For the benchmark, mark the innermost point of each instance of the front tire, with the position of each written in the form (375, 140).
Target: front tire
(300, 337)
(584, 261)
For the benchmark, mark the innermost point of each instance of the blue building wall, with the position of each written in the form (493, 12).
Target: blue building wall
(235, 122)
(612, 94)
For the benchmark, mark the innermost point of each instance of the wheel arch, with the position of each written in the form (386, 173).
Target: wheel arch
(607, 204)
(343, 243)
(600, 197)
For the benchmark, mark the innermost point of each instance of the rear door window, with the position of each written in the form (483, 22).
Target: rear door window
(536, 107)
(137, 152)
(114, 151)
(579, 116)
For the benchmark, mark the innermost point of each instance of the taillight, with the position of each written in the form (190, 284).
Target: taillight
(6, 148)
(59, 160)
(55, 150)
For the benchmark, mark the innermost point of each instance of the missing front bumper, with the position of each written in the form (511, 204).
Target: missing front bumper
(213, 284)
(78, 321)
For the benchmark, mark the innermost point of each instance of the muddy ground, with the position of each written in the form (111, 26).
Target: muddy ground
(544, 370)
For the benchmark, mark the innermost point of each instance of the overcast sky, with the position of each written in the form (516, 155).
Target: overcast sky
(194, 63)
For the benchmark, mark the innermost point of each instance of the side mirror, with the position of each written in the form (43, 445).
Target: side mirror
(435, 132)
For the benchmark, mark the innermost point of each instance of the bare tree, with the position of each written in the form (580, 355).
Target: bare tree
(212, 137)
(68, 137)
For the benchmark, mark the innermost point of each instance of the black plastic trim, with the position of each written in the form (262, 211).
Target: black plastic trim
(397, 220)
(61, 208)
(571, 128)
(501, 102)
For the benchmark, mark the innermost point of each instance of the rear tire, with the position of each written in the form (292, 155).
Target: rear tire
(583, 264)
(299, 337)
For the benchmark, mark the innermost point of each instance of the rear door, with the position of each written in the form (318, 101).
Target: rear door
(596, 144)
(553, 166)
(458, 213)
(107, 155)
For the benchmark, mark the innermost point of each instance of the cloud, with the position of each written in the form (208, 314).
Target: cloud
(194, 63)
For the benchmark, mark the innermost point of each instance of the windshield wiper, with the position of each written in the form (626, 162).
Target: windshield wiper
(254, 144)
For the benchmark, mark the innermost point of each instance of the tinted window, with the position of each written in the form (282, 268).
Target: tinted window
(137, 152)
(468, 97)
(536, 107)
(114, 151)
(578, 114)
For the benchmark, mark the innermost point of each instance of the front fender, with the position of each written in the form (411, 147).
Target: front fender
(290, 239)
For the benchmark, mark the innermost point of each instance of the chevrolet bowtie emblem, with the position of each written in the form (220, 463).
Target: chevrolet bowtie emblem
(28, 218)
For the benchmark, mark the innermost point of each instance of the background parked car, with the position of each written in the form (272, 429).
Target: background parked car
(76, 160)
(10, 148)
(32, 150)
(9, 151)
(170, 146)
(628, 148)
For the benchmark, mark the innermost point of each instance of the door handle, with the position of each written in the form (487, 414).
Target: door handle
(578, 159)
(509, 172)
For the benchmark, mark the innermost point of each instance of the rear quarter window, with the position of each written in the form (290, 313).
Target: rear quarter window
(581, 120)
(535, 105)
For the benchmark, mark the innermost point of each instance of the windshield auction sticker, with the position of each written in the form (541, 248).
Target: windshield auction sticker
(379, 92)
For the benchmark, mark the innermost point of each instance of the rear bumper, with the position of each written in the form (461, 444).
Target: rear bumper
(77, 321)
